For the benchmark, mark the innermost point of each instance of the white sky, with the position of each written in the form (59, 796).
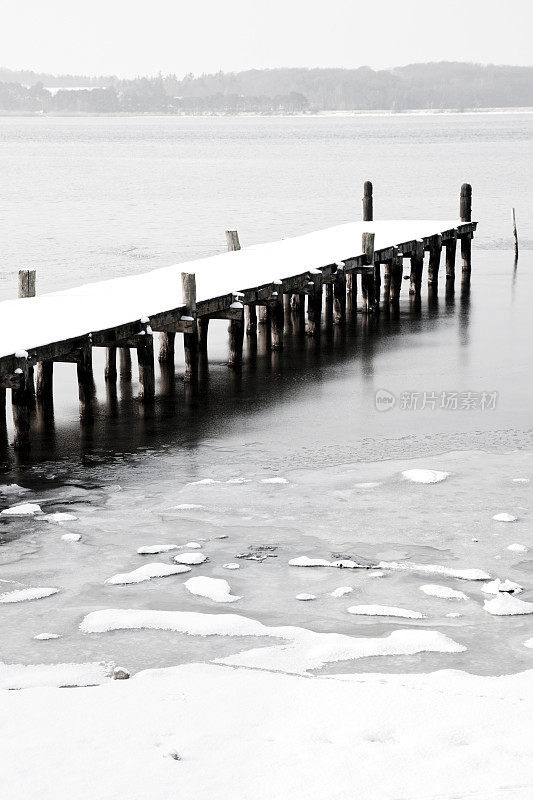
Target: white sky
(129, 37)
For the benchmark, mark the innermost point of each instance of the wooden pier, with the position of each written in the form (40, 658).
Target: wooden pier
(253, 286)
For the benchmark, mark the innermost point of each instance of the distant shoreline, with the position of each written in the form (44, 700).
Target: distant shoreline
(414, 112)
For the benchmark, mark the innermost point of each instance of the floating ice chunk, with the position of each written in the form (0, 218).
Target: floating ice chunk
(274, 480)
(239, 480)
(231, 565)
(341, 591)
(518, 548)
(505, 604)
(23, 676)
(193, 545)
(23, 510)
(42, 637)
(190, 558)
(216, 589)
(367, 485)
(304, 596)
(305, 561)
(60, 517)
(436, 569)
(384, 611)
(71, 537)
(520, 480)
(425, 475)
(435, 590)
(204, 482)
(146, 573)
(453, 614)
(187, 506)
(529, 643)
(376, 573)
(12, 488)
(504, 517)
(347, 563)
(19, 595)
(154, 549)
(496, 586)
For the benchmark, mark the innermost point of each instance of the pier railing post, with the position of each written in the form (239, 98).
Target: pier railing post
(190, 340)
(367, 278)
(236, 326)
(466, 238)
(368, 202)
(27, 289)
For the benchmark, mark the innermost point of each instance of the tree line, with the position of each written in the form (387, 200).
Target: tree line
(445, 85)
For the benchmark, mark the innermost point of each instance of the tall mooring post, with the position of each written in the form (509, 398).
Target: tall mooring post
(466, 238)
(27, 289)
(236, 326)
(367, 278)
(190, 340)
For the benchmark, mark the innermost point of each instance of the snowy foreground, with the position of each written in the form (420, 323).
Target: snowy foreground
(212, 731)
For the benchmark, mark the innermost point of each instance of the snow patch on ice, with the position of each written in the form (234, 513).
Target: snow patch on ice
(274, 480)
(193, 545)
(71, 537)
(146, 573)
(60, 517)
(12, 488)
(20, 595)
(437, 569)
(190, 558)
(231, 565)
(154, 549)
(384, 611)
(367, 485)
(203, 482)
(504, 517)
(305, 596)
(341, 591)
(506, 605)
(518, 548)
(186, 506)
(23, 510)
(23, 676)
(496, 586)
(42, 637)
(216, 589)
(425, 475)
(436, 590)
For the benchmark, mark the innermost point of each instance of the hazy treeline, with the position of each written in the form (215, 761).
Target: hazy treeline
(273, 91)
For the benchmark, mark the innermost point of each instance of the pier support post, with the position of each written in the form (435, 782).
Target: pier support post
(466, 239)
(297, 305)
(314, 305)
(110, 372)
(44, 381)
(396, 278)
(435, 248)
(167, 343)
(250, 315)
(21, 400)
(417, 266)
(450, 247)
(328, 303)
(387, 279)
(26, 288)
(277, 314)
(339, 297)
(264, 315)
(236, 340)
(125, 363)
(203, 330)
(145, 360)
(368, 202)
(190, 340)
(367, 278)
(84, 367)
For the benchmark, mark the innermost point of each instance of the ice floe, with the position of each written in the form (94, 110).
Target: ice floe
(20, 595)
(367, 485)
(341, 591)
(347, 563)
(186, 506)
(71, 537)
(305, 596)
(231, 565)
(436, 569)
(13, 488)
(425, 475)
(496, 586)
(504, 517)
(193, 545)
(436, 590)
(384, 611)
(216, 589)
(518, 548)
(239, 480)
(22, 510)
(190, 558)
(146, 573)
(274, 480)
(22, 676)
(453, 614)
(59, 517)
(43, 637)
(154, 549)
(204, 482)
(505, 604)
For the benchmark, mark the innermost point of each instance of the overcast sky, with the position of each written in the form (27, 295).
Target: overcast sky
(129, 37)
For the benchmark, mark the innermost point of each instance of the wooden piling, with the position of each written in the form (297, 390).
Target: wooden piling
(110, 372)
(44, 381)
(26, 288)
(167, 344)
(84, 367)
(339, 297)
(396, 278)
(465, 207)
(277, 321)
(250, 314)
(435, 248)
(314, 305)
(368, 203)
(368, 292)
(203, 330)
(21, 401)
(232, 239)
(387, 280)
(190, 340)
(145, 359)
(515, 236)
(236, 340)
(125, 363)
(451, 247)
(417, 266)
(328, 303)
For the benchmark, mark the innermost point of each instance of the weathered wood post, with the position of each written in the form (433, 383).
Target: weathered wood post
(435, 248)
(250, 312)
(203, 331)
(314, 303)
(328, 303)
(367, 278)
(466, 239)
(387, 280)
(124, 357)
(167, 344)
(339, 295)
(21, 400)
(27, 289)
(297, 305)
(417, 266)
(451, 247)
(236, 340)
(277, 314)
(515, 236)
(368, 202)
(396, 269)
(190, 340)
(145, 360)
(110, 372)
(86, 389)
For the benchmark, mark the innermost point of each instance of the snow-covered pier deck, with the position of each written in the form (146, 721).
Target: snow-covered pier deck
(124, 313)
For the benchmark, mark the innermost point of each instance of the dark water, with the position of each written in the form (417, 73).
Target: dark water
(98, 198)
